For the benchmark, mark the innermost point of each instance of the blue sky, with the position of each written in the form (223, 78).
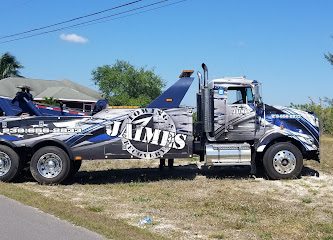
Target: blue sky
(279, 43)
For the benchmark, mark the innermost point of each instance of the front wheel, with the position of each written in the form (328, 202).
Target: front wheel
(50, 165)
(10, 164)
(283, 161)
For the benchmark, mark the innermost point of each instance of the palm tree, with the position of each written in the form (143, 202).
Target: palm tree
(329, 57)
(9, 66)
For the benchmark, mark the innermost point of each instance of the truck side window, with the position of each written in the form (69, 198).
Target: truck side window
(249, 95)
(240, 95)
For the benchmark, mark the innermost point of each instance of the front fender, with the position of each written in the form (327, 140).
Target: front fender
(302, 140)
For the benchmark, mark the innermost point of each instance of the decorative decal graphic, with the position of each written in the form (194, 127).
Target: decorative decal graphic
(147, 133)
(286, 116)
(39, 130)
(236, 110)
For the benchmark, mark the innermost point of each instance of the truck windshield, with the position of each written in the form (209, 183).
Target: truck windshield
(240, 95)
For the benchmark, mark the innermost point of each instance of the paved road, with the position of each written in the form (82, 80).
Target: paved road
(18, 221)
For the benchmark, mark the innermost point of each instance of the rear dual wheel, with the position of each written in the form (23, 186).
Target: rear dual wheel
(50, 165)
(10, 165)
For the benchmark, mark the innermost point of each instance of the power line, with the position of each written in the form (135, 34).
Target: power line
(137, 13)
(95, 21)
(71, 20)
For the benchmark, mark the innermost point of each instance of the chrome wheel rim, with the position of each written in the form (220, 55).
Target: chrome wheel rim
(5, 163)
(284, 162)
(49, 165)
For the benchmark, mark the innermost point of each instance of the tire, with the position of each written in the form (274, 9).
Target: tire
(50, 165)
(283, 161)
(10, 165)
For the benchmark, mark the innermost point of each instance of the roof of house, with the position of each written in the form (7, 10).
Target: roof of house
(58, 89)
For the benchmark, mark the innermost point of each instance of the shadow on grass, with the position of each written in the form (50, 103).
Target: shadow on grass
(307, 171)
(187, 172)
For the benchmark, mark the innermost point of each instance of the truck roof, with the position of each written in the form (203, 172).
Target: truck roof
(232, 81)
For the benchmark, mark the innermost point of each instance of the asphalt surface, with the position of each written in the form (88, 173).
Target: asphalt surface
(18, 221)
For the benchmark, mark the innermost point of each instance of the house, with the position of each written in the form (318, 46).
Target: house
(70, 93)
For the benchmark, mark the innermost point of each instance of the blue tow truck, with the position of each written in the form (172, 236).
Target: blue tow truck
(233, 127)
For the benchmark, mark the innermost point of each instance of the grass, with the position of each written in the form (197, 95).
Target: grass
(265, 236)
(307, 200)
(104, 225)
(219, 236)
(95, 209)
(187, 203)
(326, 155)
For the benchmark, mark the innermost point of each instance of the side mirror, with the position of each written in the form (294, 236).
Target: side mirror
(258, 101)
(257, 95)
(257, 98)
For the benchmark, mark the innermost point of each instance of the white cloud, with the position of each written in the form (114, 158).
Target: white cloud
(72, 37)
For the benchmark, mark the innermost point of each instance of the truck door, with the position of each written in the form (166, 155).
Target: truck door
(237, 121)
(241, 114)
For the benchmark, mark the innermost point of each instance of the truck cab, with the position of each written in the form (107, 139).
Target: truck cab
(234, 109)
(235, 127)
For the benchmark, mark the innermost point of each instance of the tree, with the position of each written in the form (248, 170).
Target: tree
(124, 84)
(9, 66)
(329, 57)
(50, 101)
